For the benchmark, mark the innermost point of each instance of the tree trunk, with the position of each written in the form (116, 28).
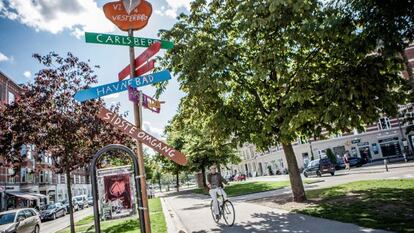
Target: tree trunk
(68, 185)
(203, 172)
(159, 180)
(177, 180)
(294, 174)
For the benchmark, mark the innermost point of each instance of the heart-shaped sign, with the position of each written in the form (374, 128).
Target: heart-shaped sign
(128, 14)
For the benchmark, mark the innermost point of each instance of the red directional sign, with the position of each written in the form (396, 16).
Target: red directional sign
(141, 59)
(142, 136)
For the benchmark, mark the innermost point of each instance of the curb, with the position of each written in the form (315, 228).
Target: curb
(174, 224)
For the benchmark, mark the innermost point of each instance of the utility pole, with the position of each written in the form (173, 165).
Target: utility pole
(139, 152)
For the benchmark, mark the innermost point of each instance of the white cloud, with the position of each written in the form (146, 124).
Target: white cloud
(154, 131)
(55, 16)
(112, 96)
(3, 57)
(27, 74)
(173, 7)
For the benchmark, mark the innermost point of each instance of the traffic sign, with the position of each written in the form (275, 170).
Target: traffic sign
(128, 14)
(141, 59)
(142, 136)
(100, 38)
(111, 88)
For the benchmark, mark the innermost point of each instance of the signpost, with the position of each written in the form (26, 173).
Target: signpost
(100, 38)
(112, 88)
(130, 15)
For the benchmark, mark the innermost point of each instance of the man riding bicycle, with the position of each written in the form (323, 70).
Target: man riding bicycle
(215, 184)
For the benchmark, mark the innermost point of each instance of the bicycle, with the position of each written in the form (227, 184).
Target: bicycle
(226, 209)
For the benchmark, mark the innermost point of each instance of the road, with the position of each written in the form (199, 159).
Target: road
(191, 212)
(63, 222)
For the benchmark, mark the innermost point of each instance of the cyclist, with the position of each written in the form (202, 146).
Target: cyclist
(215, 184)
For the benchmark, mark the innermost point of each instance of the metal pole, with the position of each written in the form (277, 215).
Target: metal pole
(139, 152)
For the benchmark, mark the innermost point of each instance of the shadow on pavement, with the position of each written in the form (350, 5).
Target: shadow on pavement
(274, 222)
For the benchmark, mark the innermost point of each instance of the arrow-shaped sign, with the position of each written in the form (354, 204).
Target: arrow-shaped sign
(142, 136)
(111, 88)
(147, 102)
(141, 59)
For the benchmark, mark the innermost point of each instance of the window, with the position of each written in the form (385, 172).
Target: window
(409, 118)
(11, 98)
(384, 123)
(28, 213)
(23, 173)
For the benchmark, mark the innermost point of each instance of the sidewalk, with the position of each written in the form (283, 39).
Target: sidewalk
(193, 212)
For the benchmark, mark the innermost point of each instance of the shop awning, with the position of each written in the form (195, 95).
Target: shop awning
(38, 195)
(23, 195)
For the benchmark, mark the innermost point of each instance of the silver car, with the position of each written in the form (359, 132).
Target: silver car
(20, 221)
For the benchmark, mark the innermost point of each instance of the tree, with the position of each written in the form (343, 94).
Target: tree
(195, 139)
(269, 72)
(331, 156)
(48, 117)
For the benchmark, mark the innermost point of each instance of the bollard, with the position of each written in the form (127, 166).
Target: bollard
(386, 164)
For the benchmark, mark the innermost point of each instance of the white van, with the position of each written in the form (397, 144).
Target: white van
(81, 200)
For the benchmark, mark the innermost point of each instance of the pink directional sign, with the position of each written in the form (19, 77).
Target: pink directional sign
(133, 94)
(147, 102)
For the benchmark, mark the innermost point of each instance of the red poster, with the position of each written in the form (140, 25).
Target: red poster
(118, 191)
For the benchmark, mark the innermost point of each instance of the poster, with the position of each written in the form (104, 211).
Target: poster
(118, 191)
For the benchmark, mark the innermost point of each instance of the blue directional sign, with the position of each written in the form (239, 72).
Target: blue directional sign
(111, 88)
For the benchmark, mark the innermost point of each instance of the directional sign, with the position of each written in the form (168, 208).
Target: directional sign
(120, 86)
(99, 38)
(128, 14)
(142, 136)
(147, 101)
(141, 59)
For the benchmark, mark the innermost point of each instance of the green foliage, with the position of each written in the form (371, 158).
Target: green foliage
(331, 156)
(269, 72)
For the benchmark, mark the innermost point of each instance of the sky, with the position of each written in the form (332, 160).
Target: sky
(42, 26)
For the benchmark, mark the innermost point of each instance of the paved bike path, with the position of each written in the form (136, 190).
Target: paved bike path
(193, 211)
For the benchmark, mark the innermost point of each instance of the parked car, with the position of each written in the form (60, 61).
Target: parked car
(53, 211)
(90, 201)
(353, 162)
(75, 206)
(81, 201)
(20, 221)
(240, 177)
(319, 167)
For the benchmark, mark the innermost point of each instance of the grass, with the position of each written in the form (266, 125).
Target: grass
(243, 188)
(125, 225)
(379, 204)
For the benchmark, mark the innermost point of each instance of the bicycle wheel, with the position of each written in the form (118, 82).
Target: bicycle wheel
(229, 214)
(212, 212)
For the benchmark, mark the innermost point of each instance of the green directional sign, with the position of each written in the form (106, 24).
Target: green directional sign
(99, 38)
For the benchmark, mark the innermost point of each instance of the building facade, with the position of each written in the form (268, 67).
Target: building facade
(37, 183)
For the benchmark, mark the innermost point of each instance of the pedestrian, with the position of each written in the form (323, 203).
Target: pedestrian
(346, 161)
(365, 155)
